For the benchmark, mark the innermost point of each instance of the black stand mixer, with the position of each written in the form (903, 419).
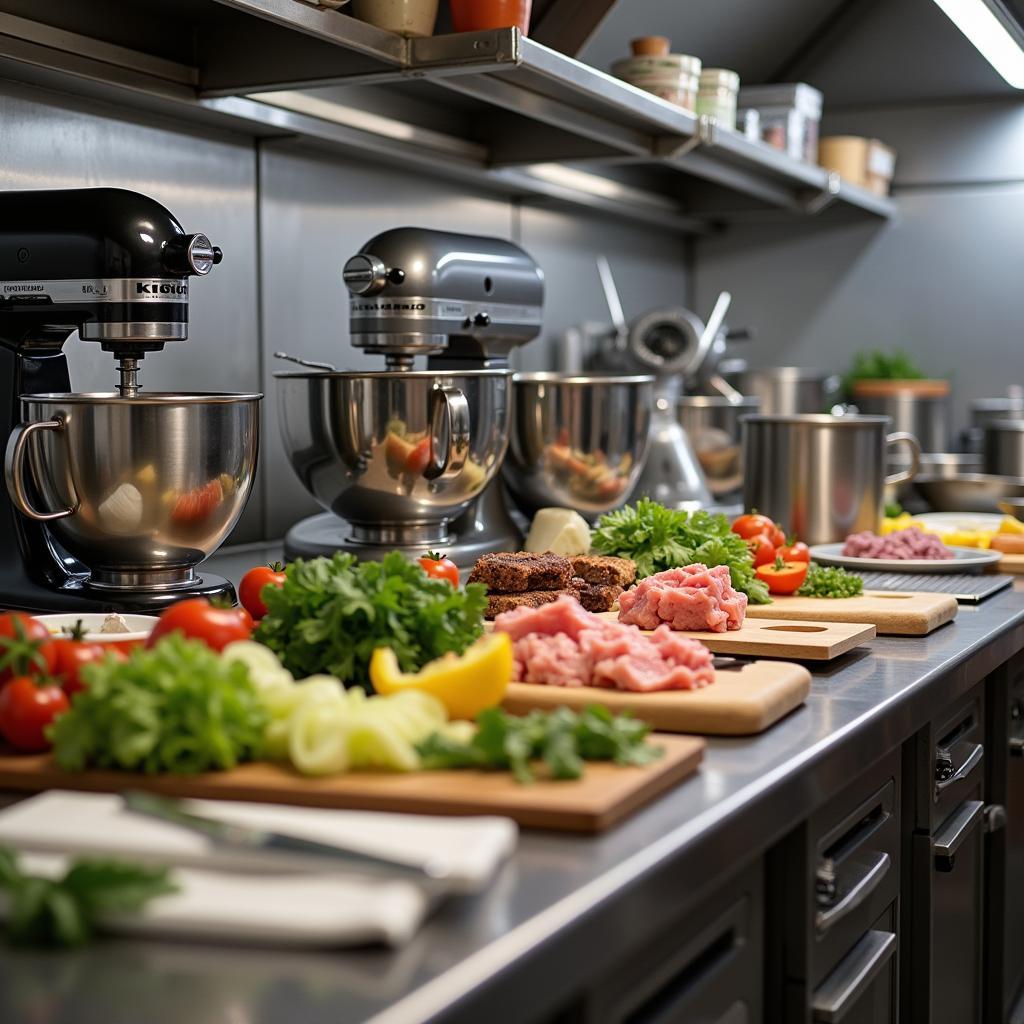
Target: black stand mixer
(408, 459)
(111, 499)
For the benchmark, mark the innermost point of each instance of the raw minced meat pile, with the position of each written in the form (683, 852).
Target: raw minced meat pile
(693, 597)
(903, 545)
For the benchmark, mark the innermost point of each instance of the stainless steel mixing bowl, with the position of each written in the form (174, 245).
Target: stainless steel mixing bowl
(139, 489)
(577, 441)
(713, 425)
(396, 454)
(969, 492)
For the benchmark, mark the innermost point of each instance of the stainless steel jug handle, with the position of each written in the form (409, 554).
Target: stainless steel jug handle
(449, 413)
(14, 470)
(915, 457)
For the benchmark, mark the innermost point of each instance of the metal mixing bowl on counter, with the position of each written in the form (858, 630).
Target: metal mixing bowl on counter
(139, 489)
(968, 492)
(396, 454)
(713, 426)
(577, 441)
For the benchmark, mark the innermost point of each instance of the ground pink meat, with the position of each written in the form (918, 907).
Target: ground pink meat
(561, 644)
(902, 545)
(691, 598)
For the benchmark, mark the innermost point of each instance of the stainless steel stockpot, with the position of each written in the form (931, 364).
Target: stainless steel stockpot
(821, 477)
(920, 408)
(1003, 448)
(139, 489)
(393, 450)
(789, 390)
(577, 441)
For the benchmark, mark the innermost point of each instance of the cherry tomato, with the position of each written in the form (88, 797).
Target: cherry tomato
(796, 551)
(251, 587)
(753, 525)
(440, 568)
(783, 577)
(416, 461)
(73, 653)
(198, 619)
(26, 646)
(777, 536)
(27, 707)
(762, 549)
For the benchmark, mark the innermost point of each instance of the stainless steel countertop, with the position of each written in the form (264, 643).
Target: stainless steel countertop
(559, 910)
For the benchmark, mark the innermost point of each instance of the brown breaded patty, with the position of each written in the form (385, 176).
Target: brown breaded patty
(515, 572)
(498, 603)
(604, 570)
(597, 597)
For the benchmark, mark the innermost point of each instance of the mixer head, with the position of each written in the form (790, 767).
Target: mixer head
(109, 263)
(421, 292)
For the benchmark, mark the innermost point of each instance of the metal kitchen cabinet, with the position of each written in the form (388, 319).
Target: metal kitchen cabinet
(705, 969)
(1004, 847)
(945, 880)
(834, 905)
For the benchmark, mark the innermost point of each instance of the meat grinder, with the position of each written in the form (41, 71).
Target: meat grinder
(406, 458)
(112, 499)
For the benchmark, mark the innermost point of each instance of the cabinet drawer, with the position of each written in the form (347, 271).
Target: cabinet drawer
(957, 758)
(706, 970)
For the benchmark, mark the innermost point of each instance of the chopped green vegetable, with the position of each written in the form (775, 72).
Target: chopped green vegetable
(332, 613)
(659, 538)
(562, 739)
(823, 581)
(62, 912)
(178, 707)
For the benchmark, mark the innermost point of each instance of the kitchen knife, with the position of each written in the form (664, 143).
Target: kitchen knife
(244, 838)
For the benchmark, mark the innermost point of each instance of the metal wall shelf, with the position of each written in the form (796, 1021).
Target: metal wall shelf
(524, 119)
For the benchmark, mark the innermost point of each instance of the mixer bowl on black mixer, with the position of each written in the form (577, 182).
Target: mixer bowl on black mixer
(396, 454)
(140, 490)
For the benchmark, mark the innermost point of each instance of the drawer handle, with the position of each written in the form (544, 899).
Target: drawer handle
(1017, 746)
(953, 836)
(838, 993)
(866, 879)
(970, 762)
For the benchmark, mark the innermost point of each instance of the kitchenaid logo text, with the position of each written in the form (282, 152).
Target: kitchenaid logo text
(381, 307)
(160, 288)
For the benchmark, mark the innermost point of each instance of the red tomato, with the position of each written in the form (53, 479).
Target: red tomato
(73, 654)
(753, 525)
(440, 568)
(198, 619)
(26, 645)
(798, 551)
(762, 549)
(27, 707)
(783, 577)
(777, 536)
(416, 461)
(251, 587)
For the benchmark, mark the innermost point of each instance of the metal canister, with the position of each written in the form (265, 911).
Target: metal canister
(918, 407)
(822, 477)
(1003, 448)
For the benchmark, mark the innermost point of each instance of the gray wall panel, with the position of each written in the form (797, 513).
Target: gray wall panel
(207, 180)
(315, 212)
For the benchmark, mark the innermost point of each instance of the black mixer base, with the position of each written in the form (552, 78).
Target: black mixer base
(78, 596)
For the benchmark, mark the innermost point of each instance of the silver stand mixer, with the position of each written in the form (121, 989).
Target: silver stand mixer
(408, 459)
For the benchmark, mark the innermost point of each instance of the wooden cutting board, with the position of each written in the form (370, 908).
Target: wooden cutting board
(605, 794)
(783, 638)
(891, 612)
(742, 701)
(1010, 563)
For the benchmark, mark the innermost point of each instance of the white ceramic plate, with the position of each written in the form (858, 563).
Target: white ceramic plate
(968, 560)
(946, 522)
(140, 626)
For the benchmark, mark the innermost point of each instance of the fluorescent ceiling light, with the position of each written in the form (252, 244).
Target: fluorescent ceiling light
(990, 37)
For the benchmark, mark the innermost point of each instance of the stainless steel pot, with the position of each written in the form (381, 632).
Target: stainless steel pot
(985, 411)
(396, 454)
(789, 390)
(913, 407)
(821, 477)
(139, 489)
(1003, 448)
(578, 442)
(713, 426)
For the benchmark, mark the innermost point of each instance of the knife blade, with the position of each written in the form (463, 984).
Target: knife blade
(246, 839)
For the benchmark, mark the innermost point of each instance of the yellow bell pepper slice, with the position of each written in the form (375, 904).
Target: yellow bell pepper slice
(465, 683)
(1011, 525)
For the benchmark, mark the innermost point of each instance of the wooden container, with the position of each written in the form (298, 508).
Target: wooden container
(860, 161)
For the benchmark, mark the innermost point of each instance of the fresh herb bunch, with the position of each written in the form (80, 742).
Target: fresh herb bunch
(659, 538)
(62, 912)
(562, 739)
(332, 613)
(825, 581)
(880, 365)
(177, 708)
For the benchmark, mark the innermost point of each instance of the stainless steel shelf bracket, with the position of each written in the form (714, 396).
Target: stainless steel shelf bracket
(826, 197)
(706, 135)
